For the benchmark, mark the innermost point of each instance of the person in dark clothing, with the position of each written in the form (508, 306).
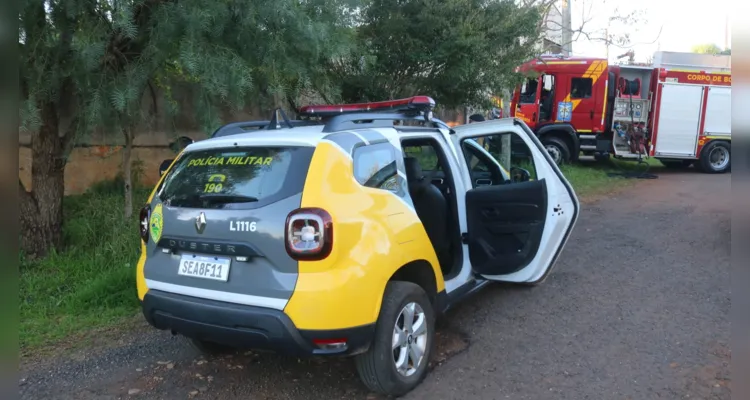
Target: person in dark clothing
(476, 118)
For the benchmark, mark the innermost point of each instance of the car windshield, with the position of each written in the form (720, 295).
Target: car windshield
(218, 178)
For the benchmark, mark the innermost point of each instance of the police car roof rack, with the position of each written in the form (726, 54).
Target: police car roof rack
(373, 114)
(378, 120)
(274, 123)
(344, 116)
(235, 128)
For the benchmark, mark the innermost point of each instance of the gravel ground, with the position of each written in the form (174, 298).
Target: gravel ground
(637, 308)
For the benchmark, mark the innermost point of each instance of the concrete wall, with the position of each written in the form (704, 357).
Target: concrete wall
(98, 156)
(101, 160)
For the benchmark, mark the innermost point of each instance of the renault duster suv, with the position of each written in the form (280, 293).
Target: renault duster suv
(346, 232)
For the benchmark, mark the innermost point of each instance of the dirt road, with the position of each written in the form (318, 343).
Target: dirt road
(637, 308)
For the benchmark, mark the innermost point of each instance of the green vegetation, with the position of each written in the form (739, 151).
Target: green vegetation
(90, 284)
(710, 48)
(591, 179)
(458, 51)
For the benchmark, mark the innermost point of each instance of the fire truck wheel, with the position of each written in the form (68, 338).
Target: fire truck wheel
(715, 158)
(557, 149)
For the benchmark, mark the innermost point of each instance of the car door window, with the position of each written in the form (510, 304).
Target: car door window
(428, 159)
(375, 167)
(507, 150)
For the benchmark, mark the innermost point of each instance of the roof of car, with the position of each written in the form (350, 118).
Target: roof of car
(298, 136)
(312, 135)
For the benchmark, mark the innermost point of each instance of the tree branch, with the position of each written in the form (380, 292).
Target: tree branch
(153, 96)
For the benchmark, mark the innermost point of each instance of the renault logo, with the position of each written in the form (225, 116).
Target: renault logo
(200, 222)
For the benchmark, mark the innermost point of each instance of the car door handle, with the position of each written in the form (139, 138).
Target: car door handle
(484, 182)
(592, 114)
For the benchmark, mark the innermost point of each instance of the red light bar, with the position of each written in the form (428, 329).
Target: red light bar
(416, 103)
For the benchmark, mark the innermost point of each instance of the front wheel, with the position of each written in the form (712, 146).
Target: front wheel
(715, 158)
(397, 359)
(557, 149)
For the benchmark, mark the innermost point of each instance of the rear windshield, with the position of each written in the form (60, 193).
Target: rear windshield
(239, 177)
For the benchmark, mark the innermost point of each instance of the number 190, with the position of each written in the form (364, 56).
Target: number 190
(212, 188)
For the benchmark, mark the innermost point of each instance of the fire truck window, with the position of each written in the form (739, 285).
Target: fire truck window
(549, 82)
(580, 88)
(528, 91)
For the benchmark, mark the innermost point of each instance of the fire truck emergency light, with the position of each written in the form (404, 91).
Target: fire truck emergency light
(416, 103)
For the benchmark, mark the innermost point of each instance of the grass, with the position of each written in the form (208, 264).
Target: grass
(591, 179)
(90, 284)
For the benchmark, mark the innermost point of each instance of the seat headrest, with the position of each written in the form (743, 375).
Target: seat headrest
(413, 169)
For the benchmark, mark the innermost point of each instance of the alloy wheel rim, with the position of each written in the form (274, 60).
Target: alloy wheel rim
(409, 343)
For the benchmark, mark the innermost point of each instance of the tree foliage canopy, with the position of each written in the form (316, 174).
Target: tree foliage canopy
(458, 51)
(706, 48)
(88, 65)
(97, 58)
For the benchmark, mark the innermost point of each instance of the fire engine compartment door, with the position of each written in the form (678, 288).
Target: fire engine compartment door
(679, 119)
(718, 111)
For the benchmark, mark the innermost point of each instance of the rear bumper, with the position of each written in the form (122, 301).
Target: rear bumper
(246, 327)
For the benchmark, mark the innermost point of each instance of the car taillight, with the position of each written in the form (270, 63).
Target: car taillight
(144, 217)
(309, 234)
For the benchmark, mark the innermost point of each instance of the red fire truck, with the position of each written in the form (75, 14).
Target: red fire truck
(584, 108)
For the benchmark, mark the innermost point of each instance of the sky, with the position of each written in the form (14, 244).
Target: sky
(683, 24)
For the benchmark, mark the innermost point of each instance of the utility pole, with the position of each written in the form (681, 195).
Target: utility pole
(606, 42)
(567, 37)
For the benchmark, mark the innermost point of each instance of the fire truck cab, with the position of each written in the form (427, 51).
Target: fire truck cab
(584, 108)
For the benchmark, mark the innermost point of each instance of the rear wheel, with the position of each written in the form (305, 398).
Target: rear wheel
(397, 359)
(715, 158)
(557, 149)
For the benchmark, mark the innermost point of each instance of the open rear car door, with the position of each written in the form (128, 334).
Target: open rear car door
(516, 229)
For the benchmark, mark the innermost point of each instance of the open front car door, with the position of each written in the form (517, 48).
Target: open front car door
(516, 228)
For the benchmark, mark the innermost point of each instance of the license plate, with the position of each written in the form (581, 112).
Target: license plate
(216, 268)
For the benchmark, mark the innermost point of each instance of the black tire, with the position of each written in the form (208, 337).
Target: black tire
(209, 348)
(376, 367)
(557, 145)
(676, 164)
(706, 154)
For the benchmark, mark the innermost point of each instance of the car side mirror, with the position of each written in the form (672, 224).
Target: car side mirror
(519, 175)
(164, 166)
(180, 143)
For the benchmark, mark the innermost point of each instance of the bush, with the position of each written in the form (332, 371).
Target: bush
(91, 282)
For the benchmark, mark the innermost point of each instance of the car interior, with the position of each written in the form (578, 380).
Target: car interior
(431, 188)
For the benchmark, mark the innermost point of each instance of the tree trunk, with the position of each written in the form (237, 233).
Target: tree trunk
(41, 208)
(127, 172)
(505, 144)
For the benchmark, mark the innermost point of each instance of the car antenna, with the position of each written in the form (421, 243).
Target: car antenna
(275, 124)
